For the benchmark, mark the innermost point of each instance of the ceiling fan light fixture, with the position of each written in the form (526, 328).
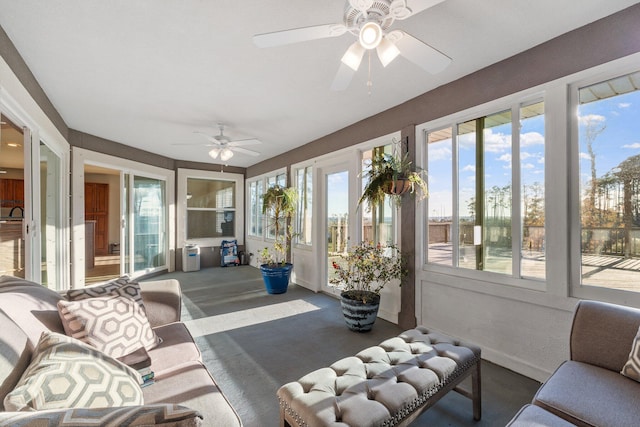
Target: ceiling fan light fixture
(387, 51)
(226, 154)
(353, 56)
(214, 153)
(370, 35)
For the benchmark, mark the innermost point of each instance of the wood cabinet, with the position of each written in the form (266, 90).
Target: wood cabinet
(96, 208)
(11, 193)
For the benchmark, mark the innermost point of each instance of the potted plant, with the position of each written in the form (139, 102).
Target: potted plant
(394, 176)
(279, 205)
(360, 274)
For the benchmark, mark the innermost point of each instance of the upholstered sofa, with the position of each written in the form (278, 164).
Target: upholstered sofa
(184, 393)
(599, 385)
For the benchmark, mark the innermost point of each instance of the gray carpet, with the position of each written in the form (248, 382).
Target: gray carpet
(253, 342)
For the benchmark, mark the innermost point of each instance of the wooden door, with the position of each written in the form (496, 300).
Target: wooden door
(11, 193)
(96, 208)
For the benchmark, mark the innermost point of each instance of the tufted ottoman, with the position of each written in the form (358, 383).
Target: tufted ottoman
(386, 385)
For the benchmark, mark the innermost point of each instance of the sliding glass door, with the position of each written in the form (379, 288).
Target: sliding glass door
(51, 218)
(144, 224)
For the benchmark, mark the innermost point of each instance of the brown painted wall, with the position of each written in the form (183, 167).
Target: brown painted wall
(610, 38)
(112, 148)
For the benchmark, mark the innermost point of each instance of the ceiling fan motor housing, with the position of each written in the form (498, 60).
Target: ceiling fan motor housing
(380, 11)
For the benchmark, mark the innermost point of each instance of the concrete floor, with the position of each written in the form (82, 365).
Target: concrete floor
(253, 343)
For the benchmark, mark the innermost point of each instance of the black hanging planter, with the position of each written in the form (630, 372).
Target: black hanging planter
(360, 316)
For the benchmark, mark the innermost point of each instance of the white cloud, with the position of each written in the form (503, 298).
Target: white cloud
(440, 153)
(624, 105)
(591, 119)
(528, 166)
(496, 142)
(469, 168)
(505, 158)
(634, 145)
(541, 160)
(531, 138)
(585, 156)
(524, 155)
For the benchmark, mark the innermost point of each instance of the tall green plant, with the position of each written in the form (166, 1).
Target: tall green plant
(279, 206)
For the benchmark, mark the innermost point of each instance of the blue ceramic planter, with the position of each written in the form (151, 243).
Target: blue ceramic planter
(359, 316)
(276, 279)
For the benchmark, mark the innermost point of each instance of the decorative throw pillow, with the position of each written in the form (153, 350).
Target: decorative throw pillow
(123, 286)
(115, 325)
(65, 373)
(631, 369)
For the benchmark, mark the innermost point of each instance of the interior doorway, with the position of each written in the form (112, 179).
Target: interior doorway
(12, 203)
(102, 223)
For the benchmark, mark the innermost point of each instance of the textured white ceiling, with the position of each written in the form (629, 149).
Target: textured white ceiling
(149, 73)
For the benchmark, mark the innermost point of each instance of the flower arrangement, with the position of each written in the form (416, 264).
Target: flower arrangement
(364, 270)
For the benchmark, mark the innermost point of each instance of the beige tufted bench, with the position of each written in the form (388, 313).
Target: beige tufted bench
(386, 385)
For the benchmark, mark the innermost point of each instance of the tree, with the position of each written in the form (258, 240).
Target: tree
(593, 126)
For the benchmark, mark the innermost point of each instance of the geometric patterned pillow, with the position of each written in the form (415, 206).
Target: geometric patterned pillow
(160, 414)
(65, 373)
(632, 368)
(115, 325)
(121, 286)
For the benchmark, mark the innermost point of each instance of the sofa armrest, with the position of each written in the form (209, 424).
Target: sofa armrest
(166, 415)
(163, 301)
(602, 334)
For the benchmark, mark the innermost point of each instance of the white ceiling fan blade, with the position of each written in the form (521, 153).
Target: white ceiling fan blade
(199, 144)
(417, 6)
(420, 53)
(343, 77)
(244, 142)
(210, 138)
(245, 151)
(296, 35)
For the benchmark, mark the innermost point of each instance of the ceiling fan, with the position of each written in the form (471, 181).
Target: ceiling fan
(369, 21)
(225, 146)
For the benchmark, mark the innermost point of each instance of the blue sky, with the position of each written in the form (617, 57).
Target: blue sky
(620, 139)
(498, 164)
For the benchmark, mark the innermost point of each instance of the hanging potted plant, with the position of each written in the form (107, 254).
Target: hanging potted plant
(391, 175)
(279, 205)
(360, 274)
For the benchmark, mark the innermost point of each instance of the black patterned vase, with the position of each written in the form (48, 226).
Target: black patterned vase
(360, 316)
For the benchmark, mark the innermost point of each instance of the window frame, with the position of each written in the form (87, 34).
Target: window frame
(576, 288)
(512, 103)
(306, 168)
(238, 179)
(276, 177)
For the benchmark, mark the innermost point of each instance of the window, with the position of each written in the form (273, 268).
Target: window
(609, 176)
(255, 208)
(473, 184)
(378, 224)
(210, 208)
(304, 187)
(257, 226)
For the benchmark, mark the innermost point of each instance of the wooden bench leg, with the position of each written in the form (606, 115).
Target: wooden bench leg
(476, 392)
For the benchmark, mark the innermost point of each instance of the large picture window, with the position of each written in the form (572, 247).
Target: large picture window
(484, 173)
(210, 208)
(609, 176)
